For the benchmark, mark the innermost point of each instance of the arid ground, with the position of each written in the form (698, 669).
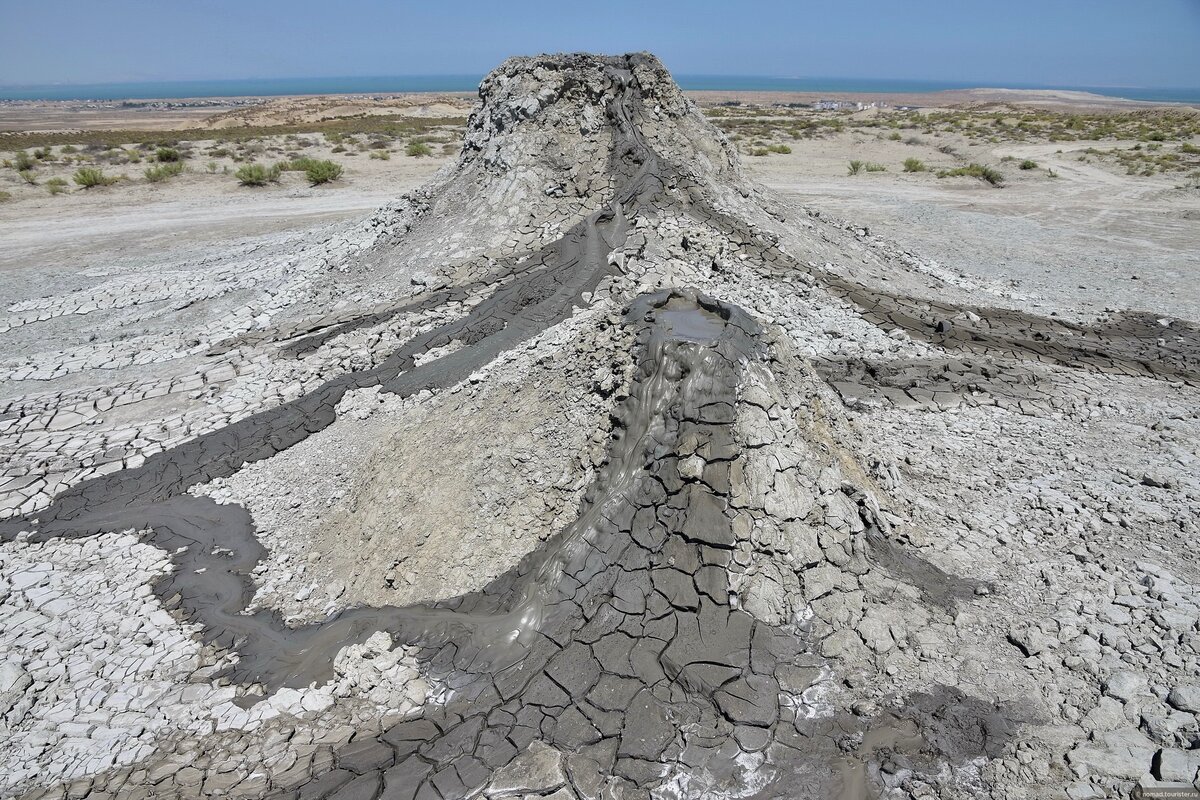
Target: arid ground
(587, 440)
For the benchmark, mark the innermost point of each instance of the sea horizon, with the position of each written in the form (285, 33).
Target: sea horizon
(392, 84)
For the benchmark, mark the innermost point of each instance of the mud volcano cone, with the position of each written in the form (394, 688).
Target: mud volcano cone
(572, 440)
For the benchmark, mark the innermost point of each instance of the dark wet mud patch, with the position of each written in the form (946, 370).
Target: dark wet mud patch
(928, 736)
(940, 384)
(938, 587)
(1131, 343)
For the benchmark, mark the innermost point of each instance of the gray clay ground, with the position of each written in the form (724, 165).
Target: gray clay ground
(595, 469)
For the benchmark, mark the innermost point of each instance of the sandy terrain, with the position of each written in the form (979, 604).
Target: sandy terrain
(143, 219)
(1090, 239)
(179, 113)
(218, 113)
(1057, 100)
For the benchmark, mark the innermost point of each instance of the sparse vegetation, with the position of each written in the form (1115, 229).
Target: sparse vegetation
(319, 172)
(165, 155)
(984, 173)
(5, 196)
(856, 166)
(394, 126)
(873, 167)
(56, 185)
(91, 177)
(164, 171)
(23, 161)
(300, 164)
(417, 149)
(255, 174)
(380, 155)
(914, 165)
(1028, 164)
(29, 176)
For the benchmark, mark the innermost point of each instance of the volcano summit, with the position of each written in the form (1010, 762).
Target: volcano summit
(592, 469)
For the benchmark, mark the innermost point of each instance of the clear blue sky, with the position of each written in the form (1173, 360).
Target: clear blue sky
(1147, 43)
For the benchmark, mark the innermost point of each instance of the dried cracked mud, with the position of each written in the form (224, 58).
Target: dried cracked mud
(580, 473)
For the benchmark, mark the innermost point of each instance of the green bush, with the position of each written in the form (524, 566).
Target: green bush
(322, 172)
(211, 166)
(914, 165)
(894, 136)
(5, 196)
(29, 176)
(988, 174)
(873, 167)
(23, 161)
(56, 185)
(164, 171)
(856, 166)
(1189, 148)
(255, 174)
(88, 177)
(67, 149)
(381, 155)
(167, 155)
(1028, 164)
(300, 164)
(418, 150)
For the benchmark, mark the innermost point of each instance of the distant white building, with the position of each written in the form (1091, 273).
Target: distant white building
(846, 105)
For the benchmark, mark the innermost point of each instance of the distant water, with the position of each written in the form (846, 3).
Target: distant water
(469, 83)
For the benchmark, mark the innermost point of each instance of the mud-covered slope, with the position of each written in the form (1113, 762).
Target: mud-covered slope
(686, 569)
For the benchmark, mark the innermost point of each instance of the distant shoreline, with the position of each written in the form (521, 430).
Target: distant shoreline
(405, 84)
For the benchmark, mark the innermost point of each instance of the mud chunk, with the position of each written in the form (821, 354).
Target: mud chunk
(1030, 641)
(1124, 753)
(539, 770)
(752, 700)
(1125, 685)
(648, 729)
(1185, 697)
(705, 521)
